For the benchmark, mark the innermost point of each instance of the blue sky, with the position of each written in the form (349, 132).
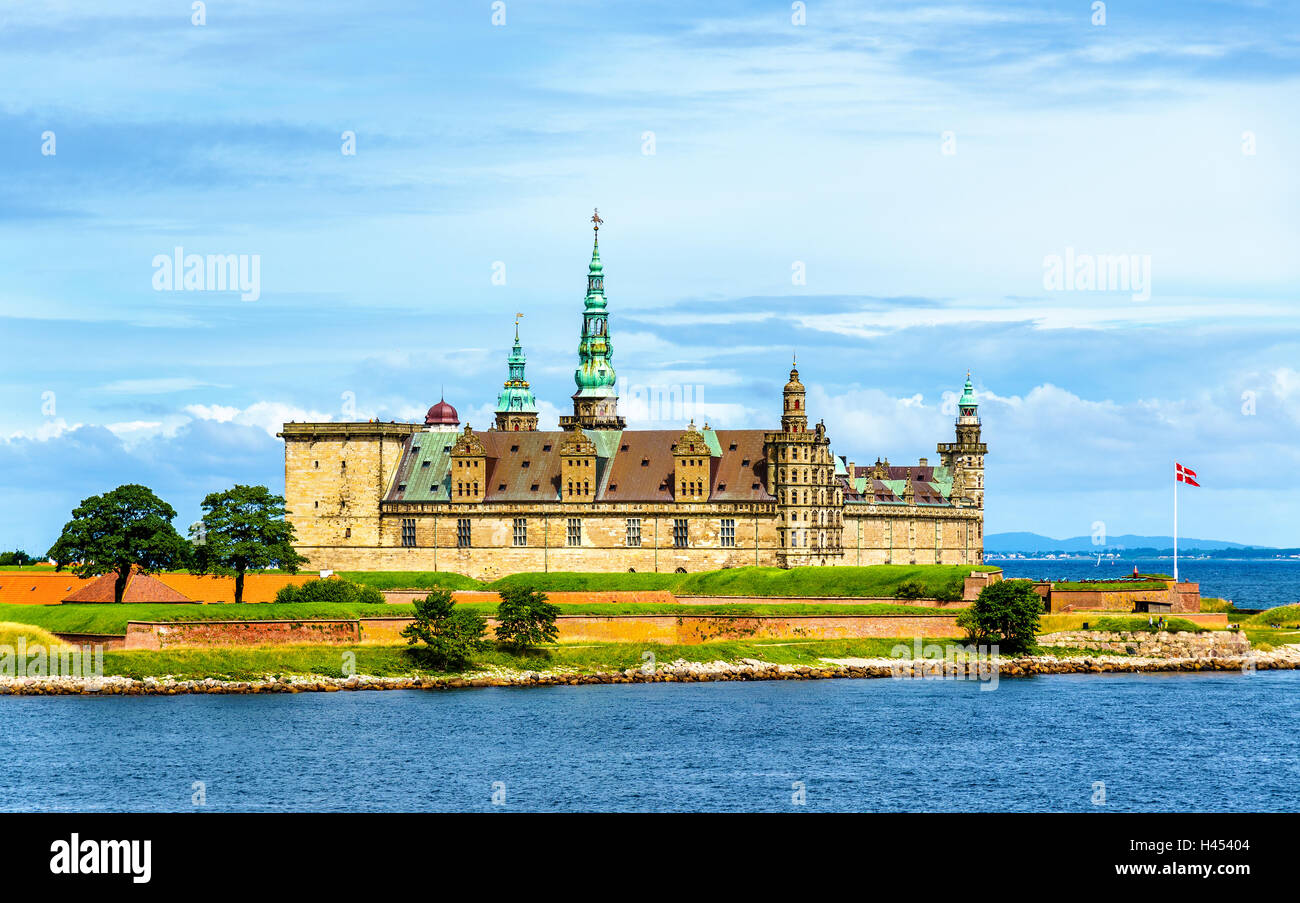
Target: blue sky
(776, 147)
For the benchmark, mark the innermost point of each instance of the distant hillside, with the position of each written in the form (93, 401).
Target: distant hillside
(1036, 542)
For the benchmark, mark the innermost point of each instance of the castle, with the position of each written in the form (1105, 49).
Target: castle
(595, 496)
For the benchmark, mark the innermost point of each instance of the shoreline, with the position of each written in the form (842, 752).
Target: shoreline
(681, 671)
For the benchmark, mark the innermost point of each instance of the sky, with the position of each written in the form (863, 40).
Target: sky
(880, 188)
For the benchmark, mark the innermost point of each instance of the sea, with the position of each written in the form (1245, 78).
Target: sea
(1064, 743)
(1248, 583)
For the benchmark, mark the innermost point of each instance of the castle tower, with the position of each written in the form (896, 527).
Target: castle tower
(801, 476)
(516, 405)
(595, 404)
(966, 455)
(794, 411)
(468, 468)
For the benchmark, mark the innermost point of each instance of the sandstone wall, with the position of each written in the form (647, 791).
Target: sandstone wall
(152, 635)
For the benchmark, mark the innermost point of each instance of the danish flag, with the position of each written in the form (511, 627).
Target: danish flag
(1185, 475)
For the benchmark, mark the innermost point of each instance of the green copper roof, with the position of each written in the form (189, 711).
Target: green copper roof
(968, 394)
(516, 395)
(595, 374)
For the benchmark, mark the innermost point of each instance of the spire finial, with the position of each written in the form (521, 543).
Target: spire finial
(595, 218)
(518, 317)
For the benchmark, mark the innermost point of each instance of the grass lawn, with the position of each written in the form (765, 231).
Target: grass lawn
(252, 663)
(1283, 616)
(874, 581)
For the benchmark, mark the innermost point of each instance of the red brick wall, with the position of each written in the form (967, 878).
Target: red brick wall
(149, 635)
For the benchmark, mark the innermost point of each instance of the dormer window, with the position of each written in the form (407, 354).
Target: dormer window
(533, 488)
(645, 462)
(524, 464)
(744, 462)
(546, 448)
(731, 447)
(514, 448)
(623, 447)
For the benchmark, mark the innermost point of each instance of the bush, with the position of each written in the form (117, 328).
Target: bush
(331, 591)
(525, 618)
(953, 591)
(909, 589)
(450, 635)
(1005, 613)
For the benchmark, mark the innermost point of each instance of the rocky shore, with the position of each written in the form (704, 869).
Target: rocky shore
(1286, 657)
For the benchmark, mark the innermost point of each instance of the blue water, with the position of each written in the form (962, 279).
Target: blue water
(1249, 584)
(1161, 742)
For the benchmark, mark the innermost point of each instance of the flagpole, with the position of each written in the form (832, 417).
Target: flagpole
(1175, 523)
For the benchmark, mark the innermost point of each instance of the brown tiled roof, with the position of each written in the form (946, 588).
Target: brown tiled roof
(642, 470)
(520, 460)
(631, 466)
(735, 480)
(139, 588)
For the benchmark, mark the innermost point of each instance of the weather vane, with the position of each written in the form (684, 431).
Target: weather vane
(518, 317)
(595, 218)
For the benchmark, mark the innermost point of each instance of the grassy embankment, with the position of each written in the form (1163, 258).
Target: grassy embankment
(875, 581)
(110, 619)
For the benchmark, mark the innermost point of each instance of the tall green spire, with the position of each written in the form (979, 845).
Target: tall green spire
(595, 374)
(595, 404)
(516, 405)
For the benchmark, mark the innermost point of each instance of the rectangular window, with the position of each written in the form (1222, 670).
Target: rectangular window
(575, 531)
(408, 532)
(521, 531)
(462, 532)
(728, 533)
(679, 533)
(634, 532)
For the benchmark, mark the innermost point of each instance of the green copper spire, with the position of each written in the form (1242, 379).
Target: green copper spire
(516, 396)
(595, 374)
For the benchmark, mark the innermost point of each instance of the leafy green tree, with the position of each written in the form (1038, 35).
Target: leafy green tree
(114, 532)
(525, 618)
(1005, 613)
(450, 635)
(16, 558)
(244, 529)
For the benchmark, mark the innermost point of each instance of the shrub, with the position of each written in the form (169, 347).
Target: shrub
(525, 618)
(1005, 613)
(910, 589)
(450, 635)
(953, 591)
(332, 591)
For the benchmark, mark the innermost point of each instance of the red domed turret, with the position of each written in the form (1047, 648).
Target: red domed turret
(443, 415)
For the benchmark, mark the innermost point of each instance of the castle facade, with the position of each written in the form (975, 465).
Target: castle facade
(596, 496)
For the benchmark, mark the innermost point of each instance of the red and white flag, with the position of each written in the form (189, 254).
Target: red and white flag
(1185, 475)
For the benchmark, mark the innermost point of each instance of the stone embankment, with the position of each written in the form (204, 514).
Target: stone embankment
(1286, 657)
(1157, 644)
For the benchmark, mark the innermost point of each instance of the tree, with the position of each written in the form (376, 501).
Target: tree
(17, 558)
(450, 635)
(525, 618)
(126, 528)
(244, 529)
(1005, 613)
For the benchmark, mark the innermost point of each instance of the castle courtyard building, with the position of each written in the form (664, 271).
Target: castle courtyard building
(596, 496)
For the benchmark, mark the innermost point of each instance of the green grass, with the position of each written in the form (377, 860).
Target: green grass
(873, 581)
(11, 632)
(1074, 620)
(111, 619)
(253, 663)
(1283, 616)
